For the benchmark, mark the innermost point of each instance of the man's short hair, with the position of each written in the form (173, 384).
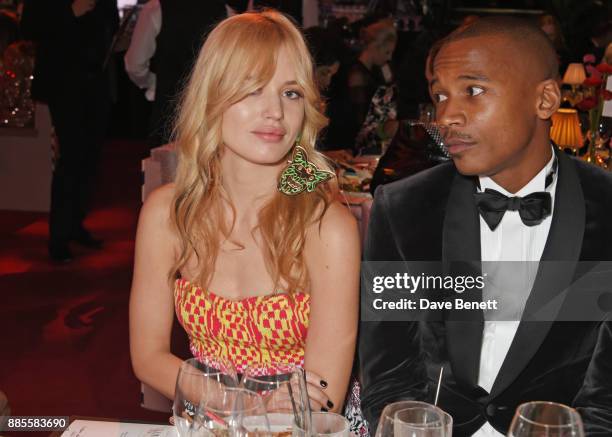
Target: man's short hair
(526, 36)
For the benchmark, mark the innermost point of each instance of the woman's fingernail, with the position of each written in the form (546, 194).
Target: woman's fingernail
(323, 384)
(324, 409)
(330, 404)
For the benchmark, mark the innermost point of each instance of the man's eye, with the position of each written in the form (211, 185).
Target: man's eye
(475, 90)
(292, 94)
(439, 97)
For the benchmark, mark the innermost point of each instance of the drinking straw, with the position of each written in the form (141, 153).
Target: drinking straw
(439, 385)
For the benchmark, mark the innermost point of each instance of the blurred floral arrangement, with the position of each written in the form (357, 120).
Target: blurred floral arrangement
(354, 180)
(16, 67)
(593, 96)
(354, 173)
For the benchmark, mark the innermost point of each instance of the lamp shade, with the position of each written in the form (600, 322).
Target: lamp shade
(565, 131)
(574, 75)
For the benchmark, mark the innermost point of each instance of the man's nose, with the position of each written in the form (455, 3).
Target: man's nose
(451, 113)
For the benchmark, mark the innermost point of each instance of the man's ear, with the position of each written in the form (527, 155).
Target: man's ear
(549, 98)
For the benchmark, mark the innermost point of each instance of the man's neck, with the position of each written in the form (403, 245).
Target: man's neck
(513, 178)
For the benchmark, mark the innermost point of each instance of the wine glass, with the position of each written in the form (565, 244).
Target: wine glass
(284, 395)
(195, 382)
(234, 412)
(414, 419)
(546, 419)
(325, 425)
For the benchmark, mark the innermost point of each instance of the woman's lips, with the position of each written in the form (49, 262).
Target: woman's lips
(270, 136)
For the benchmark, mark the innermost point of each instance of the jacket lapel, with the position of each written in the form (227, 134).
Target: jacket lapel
(564, 243)
(461, 256)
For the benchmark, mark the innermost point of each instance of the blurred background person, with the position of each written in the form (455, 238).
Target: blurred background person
(413, 88)
(9, 30)
(73, 39)
(380, 124)
(349, 108)
(325, 47)
(321, 45)
(607, 57)
(138, 57)
(601, 37)
(172, 33)
(552, 28)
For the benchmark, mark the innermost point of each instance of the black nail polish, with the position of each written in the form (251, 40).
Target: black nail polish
(323, 384)
(330, 404)
(324, 409)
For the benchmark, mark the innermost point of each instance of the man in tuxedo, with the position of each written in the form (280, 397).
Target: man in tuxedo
(73, 38)
(183, 26)
(507, 195)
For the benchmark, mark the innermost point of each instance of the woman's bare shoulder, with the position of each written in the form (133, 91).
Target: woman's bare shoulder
(338, 215)
(159, 201)
(157, 207)
(332, 250)
(337, 227)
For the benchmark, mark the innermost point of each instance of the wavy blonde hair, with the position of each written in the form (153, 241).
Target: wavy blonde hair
(238, 57)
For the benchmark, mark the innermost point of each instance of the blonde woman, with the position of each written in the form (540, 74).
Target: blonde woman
(257, 259)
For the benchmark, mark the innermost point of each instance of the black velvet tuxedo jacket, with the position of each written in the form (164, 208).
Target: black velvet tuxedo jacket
(70, 50)
(431, 216)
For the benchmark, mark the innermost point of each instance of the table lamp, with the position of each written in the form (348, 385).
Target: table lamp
(574, 76)
(565, 131)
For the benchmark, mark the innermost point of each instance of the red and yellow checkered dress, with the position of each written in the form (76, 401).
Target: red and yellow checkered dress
(259, 331)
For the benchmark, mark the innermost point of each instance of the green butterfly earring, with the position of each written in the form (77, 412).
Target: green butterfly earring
(300, 174)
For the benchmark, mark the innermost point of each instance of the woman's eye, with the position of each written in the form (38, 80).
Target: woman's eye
(256, 92)
(292, 94)
(475, 90)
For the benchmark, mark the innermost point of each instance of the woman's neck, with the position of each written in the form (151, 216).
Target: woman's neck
(248, 185)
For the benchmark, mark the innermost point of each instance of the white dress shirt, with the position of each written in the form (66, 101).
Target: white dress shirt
(512, 240)
(142, 48)
(143, 44)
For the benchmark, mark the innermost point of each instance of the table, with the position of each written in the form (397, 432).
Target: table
(107, 427)
(25, 165)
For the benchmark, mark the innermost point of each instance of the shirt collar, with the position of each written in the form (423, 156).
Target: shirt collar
(537, 183)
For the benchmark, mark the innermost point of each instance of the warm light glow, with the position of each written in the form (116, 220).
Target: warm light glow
(574, 75)
(565, 131)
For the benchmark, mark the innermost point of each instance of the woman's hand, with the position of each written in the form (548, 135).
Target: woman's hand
(316, 385)
(282, 400)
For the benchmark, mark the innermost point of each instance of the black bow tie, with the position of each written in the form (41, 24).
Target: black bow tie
(533, 209)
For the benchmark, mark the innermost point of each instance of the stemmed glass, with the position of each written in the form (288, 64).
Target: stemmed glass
(284, 395)
(414, 419)
(437, 133)
(546, 419)
(234, 412)
(325, 425)
(195, 383)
